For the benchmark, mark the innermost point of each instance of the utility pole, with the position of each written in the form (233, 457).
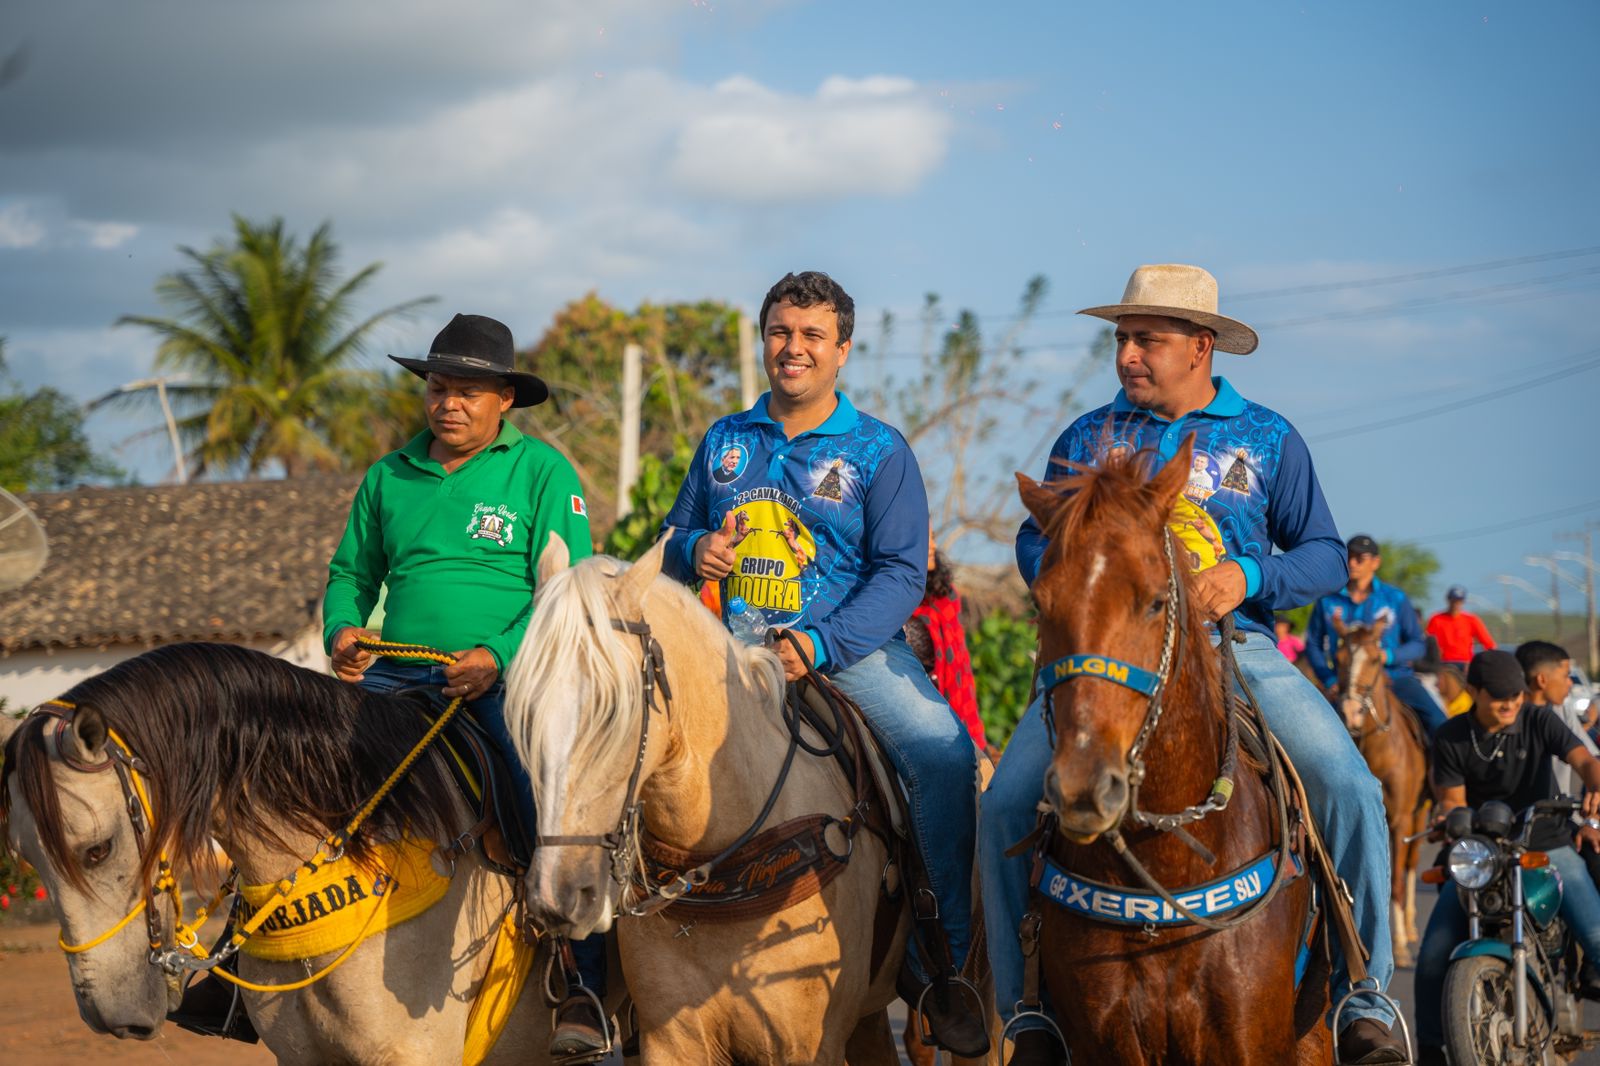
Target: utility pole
(628, 461)
(180, 469)
(747, 361)
(1557, 575)
(1510, 582)
(1586, 534)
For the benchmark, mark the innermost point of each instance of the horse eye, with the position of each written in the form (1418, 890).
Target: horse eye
(97, 854)
(1158, 604)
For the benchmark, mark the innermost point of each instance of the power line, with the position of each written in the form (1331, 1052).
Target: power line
(1423, 302)
(1592, 358)
(1516, 523)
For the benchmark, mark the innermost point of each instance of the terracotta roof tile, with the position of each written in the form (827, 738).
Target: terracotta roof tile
(232, 561)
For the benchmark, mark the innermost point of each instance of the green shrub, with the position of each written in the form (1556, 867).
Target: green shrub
(1002, 649)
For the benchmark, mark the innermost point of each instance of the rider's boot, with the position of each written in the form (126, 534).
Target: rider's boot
(580, 1032)
(1036, 1047)
(947, 1011)
(1368, 1042)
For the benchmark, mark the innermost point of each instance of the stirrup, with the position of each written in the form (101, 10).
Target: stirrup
(1019, 1012)
(1361, 989)
(924, 1030)
(583, 1057)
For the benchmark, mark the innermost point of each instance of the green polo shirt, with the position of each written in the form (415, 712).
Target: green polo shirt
(459, 551)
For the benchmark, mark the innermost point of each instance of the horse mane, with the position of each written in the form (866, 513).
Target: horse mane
(238, 738)
(570, 636)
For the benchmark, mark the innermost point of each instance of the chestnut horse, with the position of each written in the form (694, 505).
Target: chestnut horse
(1389, 737)
(1149, 993)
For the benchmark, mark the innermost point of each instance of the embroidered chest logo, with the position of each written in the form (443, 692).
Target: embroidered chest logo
(495, 522)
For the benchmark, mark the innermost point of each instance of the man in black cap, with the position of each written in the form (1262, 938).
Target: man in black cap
(1502, 750)
(1367, 601)
(453, 524)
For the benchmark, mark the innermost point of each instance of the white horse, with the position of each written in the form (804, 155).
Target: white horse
(265, 757)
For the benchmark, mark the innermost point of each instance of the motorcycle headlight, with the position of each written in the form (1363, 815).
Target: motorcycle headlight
(1473, 862)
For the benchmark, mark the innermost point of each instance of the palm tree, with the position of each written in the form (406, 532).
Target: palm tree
(268, 361)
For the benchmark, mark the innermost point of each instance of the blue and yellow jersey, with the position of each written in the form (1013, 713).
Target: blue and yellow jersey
(1251, 488)
(830, 527)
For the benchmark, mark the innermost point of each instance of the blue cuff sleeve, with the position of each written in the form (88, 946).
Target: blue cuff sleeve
(819, 651)
(1252, 575)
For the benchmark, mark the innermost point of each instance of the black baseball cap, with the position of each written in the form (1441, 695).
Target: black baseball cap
(1498, 673)
(1361, 544)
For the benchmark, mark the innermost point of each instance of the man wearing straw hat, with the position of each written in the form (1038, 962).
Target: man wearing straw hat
(1252, 488)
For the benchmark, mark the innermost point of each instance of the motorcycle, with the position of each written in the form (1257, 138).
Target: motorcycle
(1511, 992)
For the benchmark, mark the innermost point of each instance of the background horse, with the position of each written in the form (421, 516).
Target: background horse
(1390, 739)
(267, 758)
(1175, 994)
(797, 985)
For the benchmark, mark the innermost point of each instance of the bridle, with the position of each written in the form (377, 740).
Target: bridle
(1364, 698)
(638, 897)
(623, 841)
(1154, 687)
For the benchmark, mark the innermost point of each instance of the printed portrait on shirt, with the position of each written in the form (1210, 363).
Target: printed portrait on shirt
(729, 466)
(1198, 534)
(1204, 473)
(772, 551)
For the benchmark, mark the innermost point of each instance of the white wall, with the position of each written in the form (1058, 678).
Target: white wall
(29, 678)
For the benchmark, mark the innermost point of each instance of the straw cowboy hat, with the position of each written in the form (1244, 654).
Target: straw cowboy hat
(1173, 290)
(473, 346)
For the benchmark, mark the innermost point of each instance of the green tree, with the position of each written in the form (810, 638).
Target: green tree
(262, 334)
(1410, 566)
(652, 496)
(42, 443)
(690, 380)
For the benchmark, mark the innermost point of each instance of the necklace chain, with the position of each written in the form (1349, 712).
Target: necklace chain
(1499, 747)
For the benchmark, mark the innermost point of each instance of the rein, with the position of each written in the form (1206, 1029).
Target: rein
(625, 840)
(187, 954)
(1154, 687)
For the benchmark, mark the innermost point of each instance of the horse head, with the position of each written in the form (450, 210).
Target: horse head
(1103, 590)
(1360, 662)
(591, 711)
(65, 813)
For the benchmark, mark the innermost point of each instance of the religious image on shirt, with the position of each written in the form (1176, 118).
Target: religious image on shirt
(730, 465)
(1198, 534)
(772, 549)
(495, 522)
(1237, 479)
(831, 487)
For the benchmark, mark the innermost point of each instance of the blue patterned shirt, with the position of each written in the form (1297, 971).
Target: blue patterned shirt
(1402, 640)
(831, 526)
(1252, 488)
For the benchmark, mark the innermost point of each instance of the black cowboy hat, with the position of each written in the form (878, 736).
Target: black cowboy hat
(473, 346)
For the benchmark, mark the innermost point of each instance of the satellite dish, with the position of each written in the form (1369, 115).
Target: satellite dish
(23, 548)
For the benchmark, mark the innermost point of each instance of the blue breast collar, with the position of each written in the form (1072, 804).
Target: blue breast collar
(1120, 905)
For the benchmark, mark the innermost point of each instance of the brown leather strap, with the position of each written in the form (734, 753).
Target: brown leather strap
(1028, 934)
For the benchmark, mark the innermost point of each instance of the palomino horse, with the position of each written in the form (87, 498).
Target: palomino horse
(1151, 989)
(265, 757)
(1390, 739)
(640, 707)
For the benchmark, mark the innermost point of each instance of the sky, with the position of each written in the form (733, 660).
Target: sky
(510, 155)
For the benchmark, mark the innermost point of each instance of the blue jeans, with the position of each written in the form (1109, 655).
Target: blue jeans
(488, 710)
(1414, 694)
(1346, 802)
(1580, 906)
(934, 756)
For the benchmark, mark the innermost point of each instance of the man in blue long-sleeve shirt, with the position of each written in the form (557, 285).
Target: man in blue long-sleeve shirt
(815, 514)
(1251, 487)
(1367, 601)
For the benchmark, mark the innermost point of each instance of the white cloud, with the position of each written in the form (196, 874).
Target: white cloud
(107, 235)
(19, 228)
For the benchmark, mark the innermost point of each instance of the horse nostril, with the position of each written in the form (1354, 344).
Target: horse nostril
(1052, 789)
(1111, 792)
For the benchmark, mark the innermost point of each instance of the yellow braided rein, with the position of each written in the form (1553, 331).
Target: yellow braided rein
(186, 935)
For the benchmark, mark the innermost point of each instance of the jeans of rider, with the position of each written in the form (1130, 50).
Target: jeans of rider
(934, 756)
(1580, 906)
(488, 710)
(1414, 694)
(1345, 800)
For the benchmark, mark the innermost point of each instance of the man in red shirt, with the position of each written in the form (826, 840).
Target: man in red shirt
(1455, 628)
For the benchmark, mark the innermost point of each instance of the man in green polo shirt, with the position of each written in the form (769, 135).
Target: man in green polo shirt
(454, 523)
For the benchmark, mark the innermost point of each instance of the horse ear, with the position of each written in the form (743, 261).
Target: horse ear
(554, 559)
(1377, 630)
(89, 732)
(1338, 625)
(1041, 501)
(636, 580)
(1171, 478)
